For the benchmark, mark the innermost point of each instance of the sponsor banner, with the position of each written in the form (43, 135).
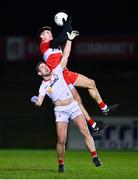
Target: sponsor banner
(15, 48)
(106, 47)
(20, 48)
(85, 48)
(32, 49)
(122, 133)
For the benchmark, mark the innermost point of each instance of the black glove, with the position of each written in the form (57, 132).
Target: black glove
(62, 37)
(67, 23)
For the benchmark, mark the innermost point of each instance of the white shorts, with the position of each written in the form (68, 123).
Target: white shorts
(64, 113)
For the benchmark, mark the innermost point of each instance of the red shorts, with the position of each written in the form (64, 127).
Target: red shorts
(70, 76)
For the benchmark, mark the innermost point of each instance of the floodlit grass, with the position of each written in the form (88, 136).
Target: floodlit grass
(42, 164)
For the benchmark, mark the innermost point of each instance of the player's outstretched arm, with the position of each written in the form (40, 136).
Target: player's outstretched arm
(67, 48)
(37, 100)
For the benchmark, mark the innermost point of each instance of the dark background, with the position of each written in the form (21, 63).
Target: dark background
(22, 124)
(90, 17)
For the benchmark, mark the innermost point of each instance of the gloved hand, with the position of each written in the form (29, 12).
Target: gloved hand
(68, 21)
(72, 35)
(67, 24)
(34, 99)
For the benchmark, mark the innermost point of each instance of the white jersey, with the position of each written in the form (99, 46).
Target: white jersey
(56, 88)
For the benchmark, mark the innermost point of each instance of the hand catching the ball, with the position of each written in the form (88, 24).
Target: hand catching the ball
(72, 35)
(67, 21)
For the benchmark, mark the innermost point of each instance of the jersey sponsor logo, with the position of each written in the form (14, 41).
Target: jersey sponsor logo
(54, 81)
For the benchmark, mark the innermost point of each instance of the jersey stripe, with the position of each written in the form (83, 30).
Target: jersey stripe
(51, 51)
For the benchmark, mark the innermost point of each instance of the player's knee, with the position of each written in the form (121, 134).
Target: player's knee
(62, 140)
(91, 84)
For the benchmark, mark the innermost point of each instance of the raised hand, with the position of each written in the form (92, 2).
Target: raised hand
(72, 35)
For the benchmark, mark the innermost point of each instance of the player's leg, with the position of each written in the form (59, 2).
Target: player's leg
(78, 118)
(85, 82)
(62, 135)
(82, 125)
(93, 125)
(61, 127)
(70, 78)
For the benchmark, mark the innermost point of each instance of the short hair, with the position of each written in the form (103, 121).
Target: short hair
(43, 29)
(38, 64)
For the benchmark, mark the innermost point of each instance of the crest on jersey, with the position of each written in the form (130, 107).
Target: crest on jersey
(49, 90)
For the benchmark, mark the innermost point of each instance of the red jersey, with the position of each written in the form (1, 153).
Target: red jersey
(52, 58)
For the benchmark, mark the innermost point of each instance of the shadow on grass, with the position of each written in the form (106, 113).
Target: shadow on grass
(28, 169)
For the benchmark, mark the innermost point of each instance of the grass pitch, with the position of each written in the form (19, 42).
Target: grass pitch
(42, 164)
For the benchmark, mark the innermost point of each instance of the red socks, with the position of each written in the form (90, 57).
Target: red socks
(103, 106)
(94, 154)
(61, 161)
(92, 122)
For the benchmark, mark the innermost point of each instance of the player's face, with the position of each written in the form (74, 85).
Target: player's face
(46, 36)
(44, 70)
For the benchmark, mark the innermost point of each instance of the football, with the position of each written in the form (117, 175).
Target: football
(58, 18)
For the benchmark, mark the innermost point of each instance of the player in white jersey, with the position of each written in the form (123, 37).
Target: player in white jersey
(66, 107)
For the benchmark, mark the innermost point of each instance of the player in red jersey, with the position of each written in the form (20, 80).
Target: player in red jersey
(52, 53)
